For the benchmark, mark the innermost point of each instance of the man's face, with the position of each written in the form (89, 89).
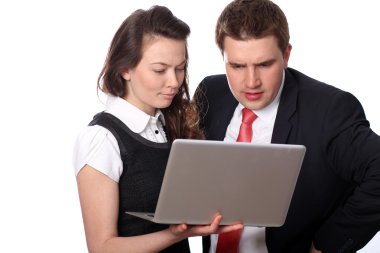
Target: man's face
(254, 69)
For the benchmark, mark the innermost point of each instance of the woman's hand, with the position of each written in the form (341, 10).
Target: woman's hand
(313, 249)
(184, 230)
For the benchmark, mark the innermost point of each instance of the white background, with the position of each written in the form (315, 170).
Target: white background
(51, 53)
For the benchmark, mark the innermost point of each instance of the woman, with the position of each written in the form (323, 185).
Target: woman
(120, 157)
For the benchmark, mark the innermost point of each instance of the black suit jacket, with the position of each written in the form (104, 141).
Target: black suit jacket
(336, 203)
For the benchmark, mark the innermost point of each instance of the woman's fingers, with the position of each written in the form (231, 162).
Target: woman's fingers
(201, 230)
(229, 228)
(178, 229)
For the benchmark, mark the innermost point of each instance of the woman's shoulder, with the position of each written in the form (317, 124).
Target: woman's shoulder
(93, 135)
(97, 147)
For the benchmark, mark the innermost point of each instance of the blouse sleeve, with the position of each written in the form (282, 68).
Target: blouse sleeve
(98, 148)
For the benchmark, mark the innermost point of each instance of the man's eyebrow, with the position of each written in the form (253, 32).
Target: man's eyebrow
(236, 63)
(270, 61)
(266, 62)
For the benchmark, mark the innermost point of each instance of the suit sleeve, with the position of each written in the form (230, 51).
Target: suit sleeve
(353, 150)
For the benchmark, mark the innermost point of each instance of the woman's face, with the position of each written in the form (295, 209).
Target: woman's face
(155, 81)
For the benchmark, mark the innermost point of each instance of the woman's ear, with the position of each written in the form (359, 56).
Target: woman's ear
(126, 75)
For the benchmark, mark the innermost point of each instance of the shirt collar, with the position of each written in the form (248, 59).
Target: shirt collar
(130, 115)
(268, 113)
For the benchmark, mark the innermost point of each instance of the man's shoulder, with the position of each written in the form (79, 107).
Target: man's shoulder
(217, 79)
(312, 91)
(214, 89)
(305, 83)
(215, 83)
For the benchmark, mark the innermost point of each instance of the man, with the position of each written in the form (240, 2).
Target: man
(336, 203)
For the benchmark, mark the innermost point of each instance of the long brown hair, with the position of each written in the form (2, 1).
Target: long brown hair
(125, 52)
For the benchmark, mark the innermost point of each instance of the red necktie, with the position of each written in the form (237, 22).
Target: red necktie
(229, 242)
(245, 132)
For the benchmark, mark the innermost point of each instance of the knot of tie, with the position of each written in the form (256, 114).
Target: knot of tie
(248, 116)
(245, 133)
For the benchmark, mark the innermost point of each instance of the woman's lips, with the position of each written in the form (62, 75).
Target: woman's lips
(169, 95)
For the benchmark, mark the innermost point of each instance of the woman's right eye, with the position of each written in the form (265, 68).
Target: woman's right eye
(159, 71)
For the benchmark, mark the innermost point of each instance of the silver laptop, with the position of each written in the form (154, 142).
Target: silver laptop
(248, 183)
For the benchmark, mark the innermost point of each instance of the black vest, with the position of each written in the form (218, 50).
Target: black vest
(144, 164)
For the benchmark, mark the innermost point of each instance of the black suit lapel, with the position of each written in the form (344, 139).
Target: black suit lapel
(286, 109)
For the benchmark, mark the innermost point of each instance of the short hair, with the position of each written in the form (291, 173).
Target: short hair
(247, 19)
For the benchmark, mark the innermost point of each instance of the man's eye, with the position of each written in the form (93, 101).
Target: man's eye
(266, 64)
(237, 66)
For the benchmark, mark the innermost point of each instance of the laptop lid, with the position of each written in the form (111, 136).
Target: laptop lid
(248, 183)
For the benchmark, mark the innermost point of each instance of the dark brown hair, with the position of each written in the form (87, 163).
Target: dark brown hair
(247, 19)
(126, 52)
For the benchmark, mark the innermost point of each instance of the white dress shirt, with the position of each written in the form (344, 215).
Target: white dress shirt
(253, 238)
(97, 147)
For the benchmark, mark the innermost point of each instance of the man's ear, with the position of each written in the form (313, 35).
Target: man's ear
(287, 54)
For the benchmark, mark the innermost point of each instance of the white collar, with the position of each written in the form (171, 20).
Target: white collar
(134, 118)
